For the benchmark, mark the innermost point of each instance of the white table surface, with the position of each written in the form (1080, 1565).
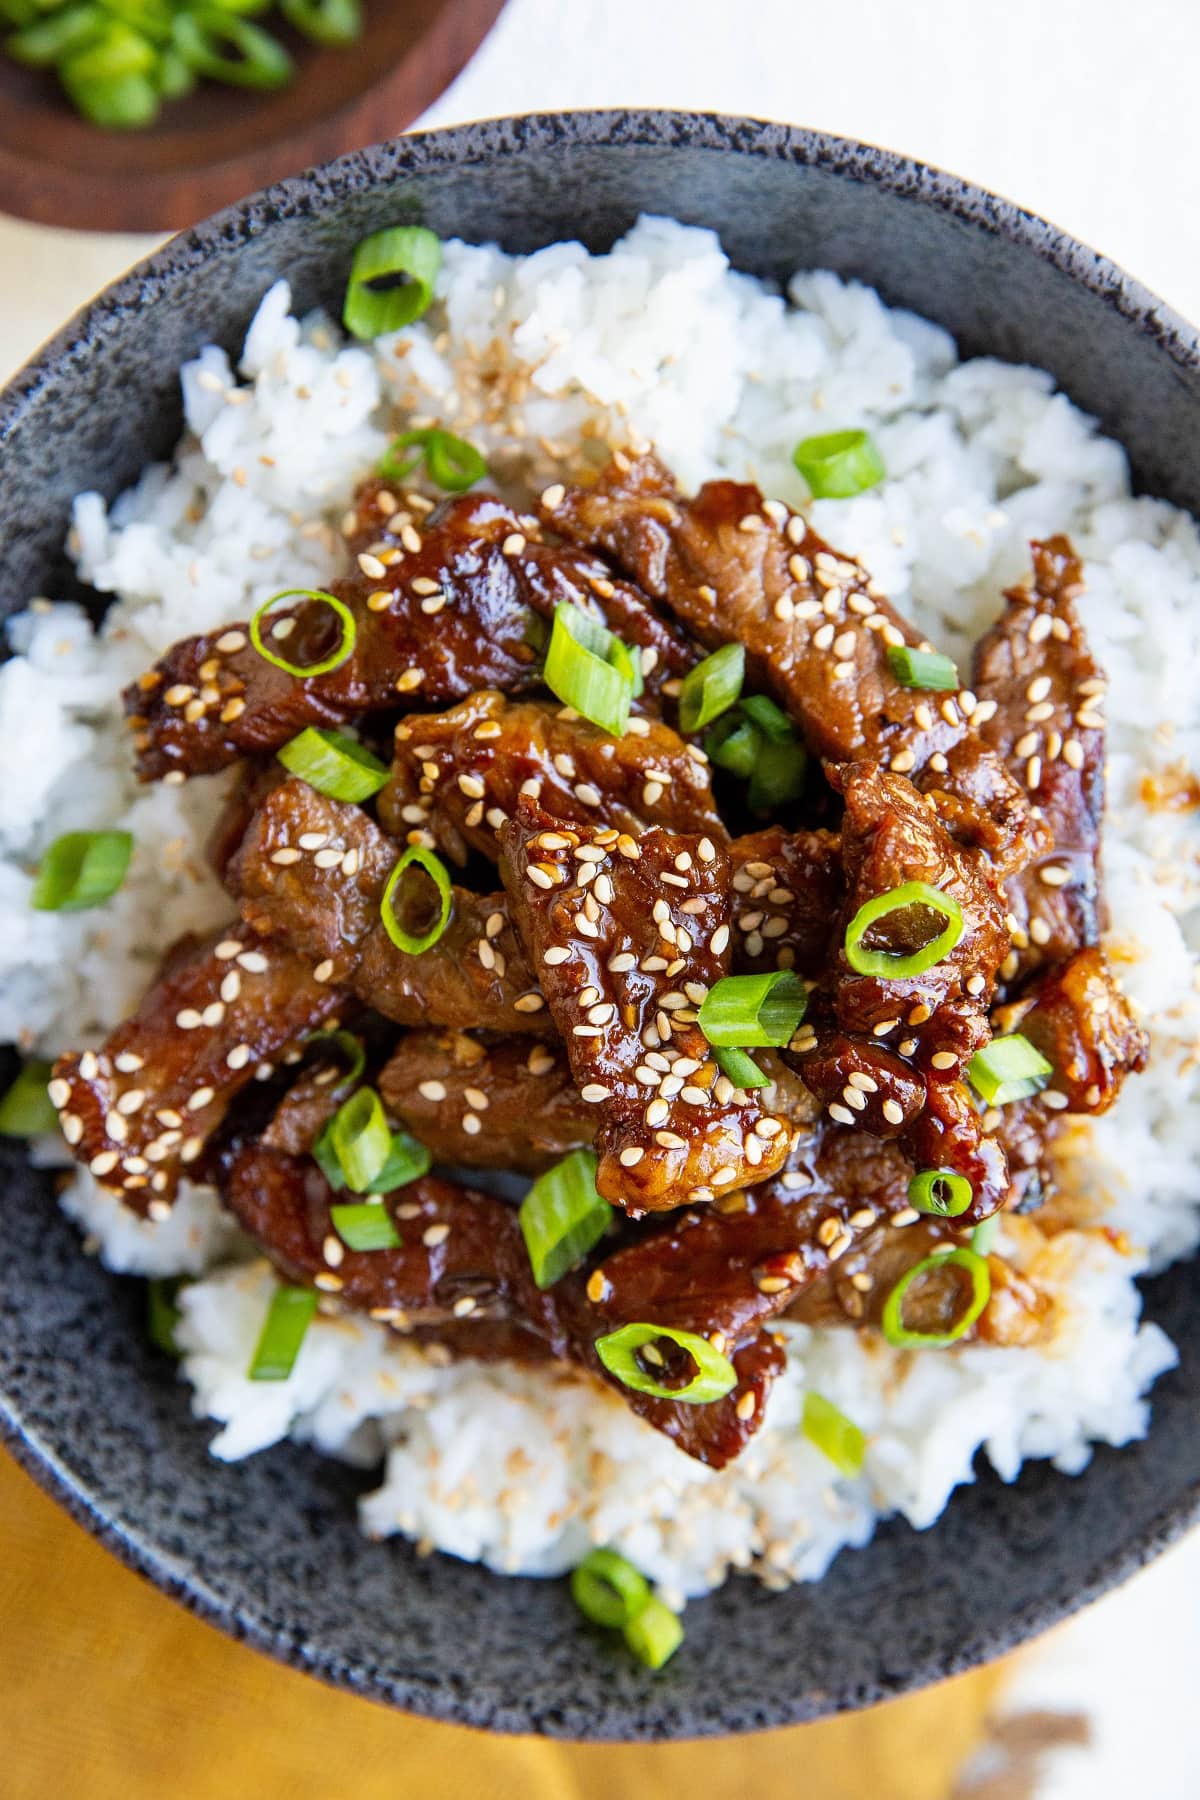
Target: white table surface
(1084, 111)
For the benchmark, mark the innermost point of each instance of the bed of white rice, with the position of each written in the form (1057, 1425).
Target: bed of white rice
(542, 361)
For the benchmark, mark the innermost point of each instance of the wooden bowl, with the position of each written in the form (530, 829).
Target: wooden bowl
(220, 142)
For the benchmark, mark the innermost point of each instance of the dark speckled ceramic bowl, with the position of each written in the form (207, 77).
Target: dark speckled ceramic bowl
(268, 1550)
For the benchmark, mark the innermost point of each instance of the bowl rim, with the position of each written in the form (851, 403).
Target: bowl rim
(310, 193)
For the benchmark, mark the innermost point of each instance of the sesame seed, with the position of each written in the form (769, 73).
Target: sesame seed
(854, 1098)
(943, 1059)
(906, 1216)
(719, 941)
(594, 1093)
(976, 984)
(903, 761)
(657, 1113)
(553, 496)
(435, 1235)
(597, 1283)
(471, 1124)
(630, 1156)
(539, 877)
(1056, 1101)
(1053, 875)
(906, 1046)
(286, 856)
(746, 1406)
(238, 1057)
(372, 567)
(864, 1082)
(132, 1101)
(669, 1140)
(104, 1163)
(893, 1112)
(556, 954)
(202, 1097)
(323, 970)
(841, 1114)
(528, 1003)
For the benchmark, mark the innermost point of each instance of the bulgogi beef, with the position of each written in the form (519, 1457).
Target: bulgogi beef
(562, 1013)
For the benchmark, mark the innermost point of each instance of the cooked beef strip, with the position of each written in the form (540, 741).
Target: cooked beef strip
(815, 627)
(139, 1111)
(255, 779)
(458, 775)
(1045, 690)
(787, 895)
(672, 1129)
(512, 1104)
(475, 565)
(462, 1261)
(1077, 1016)
(888, 1054)
(312, 871)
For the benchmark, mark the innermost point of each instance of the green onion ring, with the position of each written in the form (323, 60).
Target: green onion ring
(744, 1011)
(589, 669)
(437, 872)
(288, 1318)
(895, 966)
(352, 1047)
(361, 1139)
(608, 1590)
(839, 464)
(927, 669)
(364, 1225)
(27, 1109)
(894, 1329)
(81, 869)
(654, 1634)
(562, 1217)
(711, 687)
(344, 649)
(451, 461)
(829, 1430)
(1009, 1068)
(715, 1375)
(334, 764)
(940, 1192)
(741, 1069)
(391, 280)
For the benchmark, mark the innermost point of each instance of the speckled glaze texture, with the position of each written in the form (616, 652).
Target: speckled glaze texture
(268, 1549)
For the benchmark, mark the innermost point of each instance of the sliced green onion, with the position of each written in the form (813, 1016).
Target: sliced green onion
(608, 1590)
(288, 1318)
(365, 1226)
(391, 280)
(654, 1634)
(27, 1109)
(413, 943)
(333, 661)
(711, 687)
(771, 720)
(47, 38)
(734, 744)
(833, 1434)
(332, 22)
(748, 1010)
(562, 1217)
(589, 669)
(407, 1160)
(215, 42)
(984, 1236)
(1008, 1069)
(162, 1315)
(895, 964)
(326, 1160)
(334, 764)
(940, 1192)
(351, 1048)
(173, 76)
(741, 1069)
(715, 1375)
(452, 463)
(894, 1329)
(81, 869)
(778, 775)
(361, 1139)
(927, 669)
(839, 464)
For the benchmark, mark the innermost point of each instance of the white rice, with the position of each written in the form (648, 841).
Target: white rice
(540, 360)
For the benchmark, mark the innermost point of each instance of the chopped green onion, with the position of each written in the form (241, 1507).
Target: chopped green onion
(334, 660)
(162, 1315)
(715, 1375)
(839, 464)
(81, 869)
(562, 1217)
(654, 1634)
(1007, 1069)
(778, 775)
(46, 38)
(326, 1160)
(332, 22)
(216, 42)
(110, 78)
(734, 744)
(27, 1109)
(748, 1010)
(984, 1236)
(940, 1192)
(334, 764)
(173, 76)
(452, 463)
(365, 1225)
(407, 1160)
(833, 1434)
(896, 964)
(927, 669)
(608, 1590)
(741, 1069)
(711, 687)
(288, 1318)
(413, 943)
(894, 1329)
(589, 669)
(391, 280)
(770, 719)
(361, 1139)
(351, 1048)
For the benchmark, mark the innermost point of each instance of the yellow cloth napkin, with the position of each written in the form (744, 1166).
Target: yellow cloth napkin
(109, 1691)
